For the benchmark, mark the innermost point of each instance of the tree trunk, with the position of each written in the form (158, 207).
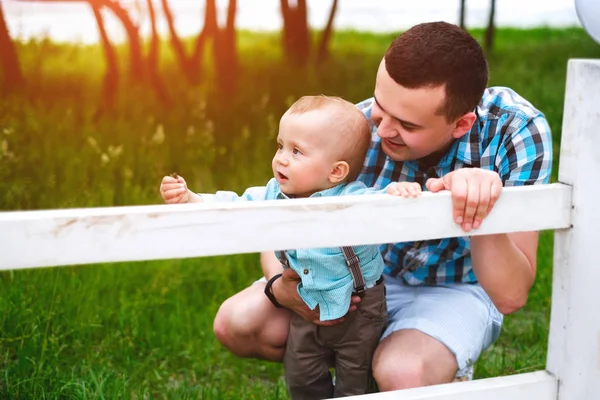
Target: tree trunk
(136, 63)
(209, 29)
(12, 75)
(462, 14)
(296, 36)
(231, 14)
(111, 78)
(136, 60)
(191, 66)
(176, 43)
(490, 31)
(225, 52)
(323, 52)
(304, 44)
(152, 60)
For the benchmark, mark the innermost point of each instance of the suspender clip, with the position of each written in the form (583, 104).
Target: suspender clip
(359, 291)
(353, 260)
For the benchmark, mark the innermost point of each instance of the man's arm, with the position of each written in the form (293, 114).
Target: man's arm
(505, 266)
(270, 264)
(285, 290)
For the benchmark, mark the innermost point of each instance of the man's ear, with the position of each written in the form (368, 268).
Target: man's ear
(339, 172)
(463, 125)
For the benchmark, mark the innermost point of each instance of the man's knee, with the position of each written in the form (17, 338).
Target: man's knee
(397, 364)
(234, 329)
(222, 325)
(249, 326)
(393, 374)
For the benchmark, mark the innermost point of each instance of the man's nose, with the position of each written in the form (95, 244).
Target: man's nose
(385, 129)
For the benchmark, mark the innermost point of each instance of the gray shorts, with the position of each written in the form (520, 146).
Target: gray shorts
(461, 316)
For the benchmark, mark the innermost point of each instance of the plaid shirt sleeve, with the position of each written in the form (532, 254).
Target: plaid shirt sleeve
(525, 156)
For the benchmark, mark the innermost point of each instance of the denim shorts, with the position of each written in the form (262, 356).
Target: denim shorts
(461, 316)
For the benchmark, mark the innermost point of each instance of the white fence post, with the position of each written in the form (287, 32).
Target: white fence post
(574, 343)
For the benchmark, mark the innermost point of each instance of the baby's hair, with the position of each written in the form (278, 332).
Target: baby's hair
(356, 132)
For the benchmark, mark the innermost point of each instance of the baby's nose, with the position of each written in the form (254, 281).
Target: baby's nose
(282, 159)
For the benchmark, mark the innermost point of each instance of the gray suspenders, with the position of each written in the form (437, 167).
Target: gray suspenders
(352, 262)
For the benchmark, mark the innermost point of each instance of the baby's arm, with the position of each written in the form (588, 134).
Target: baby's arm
(173, 190)
(402, 189)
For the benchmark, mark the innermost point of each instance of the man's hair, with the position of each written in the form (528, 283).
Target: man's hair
(347, 118)
(438, 53)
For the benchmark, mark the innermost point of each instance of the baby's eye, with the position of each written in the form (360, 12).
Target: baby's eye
(296, 151)
(279, 146)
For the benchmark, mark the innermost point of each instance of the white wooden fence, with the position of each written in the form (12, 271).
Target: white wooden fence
(79, 236)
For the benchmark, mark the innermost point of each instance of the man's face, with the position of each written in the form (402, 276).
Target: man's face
(407, 120)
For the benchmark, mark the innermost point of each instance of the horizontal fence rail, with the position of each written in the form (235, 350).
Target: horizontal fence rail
(530, 386)
(93, 235)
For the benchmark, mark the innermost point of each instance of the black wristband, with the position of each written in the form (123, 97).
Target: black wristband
(269, 293)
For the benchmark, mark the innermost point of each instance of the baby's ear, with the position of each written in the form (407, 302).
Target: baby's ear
(339, 172)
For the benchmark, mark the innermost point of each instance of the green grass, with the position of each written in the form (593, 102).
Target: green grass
(144, 330)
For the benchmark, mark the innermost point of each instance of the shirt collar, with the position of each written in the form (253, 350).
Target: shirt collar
(333, 191)
(444, 162)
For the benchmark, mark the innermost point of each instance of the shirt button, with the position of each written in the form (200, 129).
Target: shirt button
(305, 271)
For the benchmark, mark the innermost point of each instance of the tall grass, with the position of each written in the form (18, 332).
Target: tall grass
(144, 330)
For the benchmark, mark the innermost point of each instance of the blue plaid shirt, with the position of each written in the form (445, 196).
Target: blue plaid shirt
(509, 136)
(325, 279)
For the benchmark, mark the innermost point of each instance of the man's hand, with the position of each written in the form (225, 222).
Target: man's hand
(474, 193)
(173, 190)
(285, 291)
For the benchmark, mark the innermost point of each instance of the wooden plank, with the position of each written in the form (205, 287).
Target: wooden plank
(80, 236)
(531, 386)
(574, 342)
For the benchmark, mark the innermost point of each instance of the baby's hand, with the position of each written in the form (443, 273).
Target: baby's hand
(404, 189)
(173, 189)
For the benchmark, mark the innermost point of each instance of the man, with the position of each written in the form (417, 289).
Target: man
(434, 122)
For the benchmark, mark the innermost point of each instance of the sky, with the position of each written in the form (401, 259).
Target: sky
(66, 22)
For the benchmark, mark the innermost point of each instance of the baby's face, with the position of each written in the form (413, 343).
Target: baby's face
(306, 153)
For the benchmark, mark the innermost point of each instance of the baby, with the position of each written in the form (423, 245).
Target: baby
(322, 144)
